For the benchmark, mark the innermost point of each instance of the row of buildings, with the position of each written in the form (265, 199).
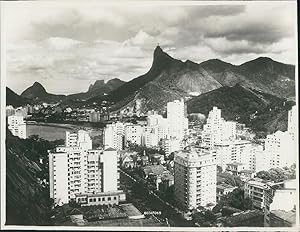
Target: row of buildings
(169, 131)
(77, 172)
(220, 135)
(195, 165)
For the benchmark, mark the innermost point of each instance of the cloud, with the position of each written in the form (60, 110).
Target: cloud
(61, 43)
(79, 43)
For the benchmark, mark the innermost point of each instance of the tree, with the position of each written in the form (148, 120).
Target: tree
(209, 216)
(219, 169)
(236, 199)
(231, 179)
(278, 174)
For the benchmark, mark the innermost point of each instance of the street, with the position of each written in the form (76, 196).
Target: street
(147, 200)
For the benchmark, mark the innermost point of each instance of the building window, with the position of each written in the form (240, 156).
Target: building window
(109, 198)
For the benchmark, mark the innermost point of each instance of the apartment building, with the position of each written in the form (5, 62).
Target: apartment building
(114, 136)
(77, 169)
(133, 134)
(195, 177)
(277, 146)
(256, 189)
(17, 126)
(176, 119)
(239, 151)
(217, 129)
(171, 145)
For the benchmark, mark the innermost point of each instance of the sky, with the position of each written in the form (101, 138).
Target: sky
(66, 47)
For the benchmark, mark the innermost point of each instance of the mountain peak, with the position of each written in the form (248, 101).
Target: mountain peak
(160, 55)
(158, 49)
(37, 85)
(36, 90)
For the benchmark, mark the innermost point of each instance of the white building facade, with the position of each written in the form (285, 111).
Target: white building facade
(195, 177)
(17, 126)
(176, 118)
(77, 169)
(114, 136)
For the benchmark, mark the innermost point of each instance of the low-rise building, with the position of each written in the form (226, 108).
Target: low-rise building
(94, 117)
(235, 168)
(223, 189)
(256, 189)
(280, 204)
(250, 218)
(102, 198)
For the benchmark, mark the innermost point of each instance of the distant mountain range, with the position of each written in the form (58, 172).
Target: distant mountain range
(170, 79)
(99, 88)
(14, 99)
(258, 110)
(37, 93)
(239, 90)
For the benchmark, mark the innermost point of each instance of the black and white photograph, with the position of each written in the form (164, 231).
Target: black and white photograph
(149, 115)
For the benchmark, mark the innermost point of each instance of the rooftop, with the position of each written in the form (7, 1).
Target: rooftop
(130, 210)
(100, 194)
(154, 169)
(224, 186)
(235, 164)
(247, 171)
(243, 216)
(289, 216)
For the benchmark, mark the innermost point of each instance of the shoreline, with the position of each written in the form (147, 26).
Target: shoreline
(49, 124)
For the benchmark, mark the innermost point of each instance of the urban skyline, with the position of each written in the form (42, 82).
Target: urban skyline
(150, 115)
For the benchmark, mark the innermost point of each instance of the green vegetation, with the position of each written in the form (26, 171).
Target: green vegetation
(204, 218)
(230, 179)
(278, 174)
(235, 199)
(262, 112)
(141, 149)
(27, 191)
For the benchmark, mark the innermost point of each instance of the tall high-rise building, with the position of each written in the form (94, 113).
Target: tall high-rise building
(76, 169)
(177, 122)
(279, 150)
(195, 177)
(114, 136)
(150, 136)
(17, 126)
(155, 131)
(133, 134)
(217, 129)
